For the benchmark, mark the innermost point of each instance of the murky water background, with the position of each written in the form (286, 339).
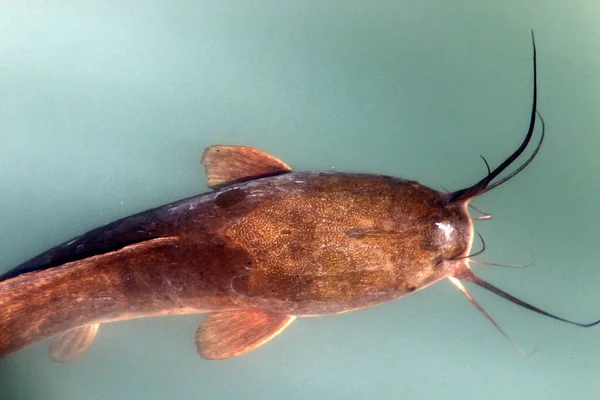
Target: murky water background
(105, 109)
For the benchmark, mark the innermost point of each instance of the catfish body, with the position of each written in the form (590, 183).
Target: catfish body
(267, 246)
(295, 244)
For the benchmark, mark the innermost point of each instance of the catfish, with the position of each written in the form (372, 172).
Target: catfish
(266, 246)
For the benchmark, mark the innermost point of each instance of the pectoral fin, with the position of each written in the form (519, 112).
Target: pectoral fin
(231, 333)
(73, 343)
(226, 165)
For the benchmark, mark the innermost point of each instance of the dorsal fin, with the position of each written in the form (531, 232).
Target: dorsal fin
(226, 165)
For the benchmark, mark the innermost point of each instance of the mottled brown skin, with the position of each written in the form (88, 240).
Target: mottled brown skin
(296, 244)
(324, 243)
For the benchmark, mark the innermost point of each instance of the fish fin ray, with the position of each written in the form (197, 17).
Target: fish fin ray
(231, 333)
(226, 165)
(73, 343)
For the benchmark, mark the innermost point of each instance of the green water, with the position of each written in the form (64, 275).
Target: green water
(105, 109)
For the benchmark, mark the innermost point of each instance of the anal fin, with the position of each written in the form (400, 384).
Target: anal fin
(226, 165)
(231, 333)
(73, 343)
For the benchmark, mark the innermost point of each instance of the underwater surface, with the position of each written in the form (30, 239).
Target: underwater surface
(105, 109)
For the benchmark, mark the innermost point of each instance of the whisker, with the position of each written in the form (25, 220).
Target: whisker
(468, 275)
(484, 216)
(464, 291)
(476, 253)
(501, 265)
